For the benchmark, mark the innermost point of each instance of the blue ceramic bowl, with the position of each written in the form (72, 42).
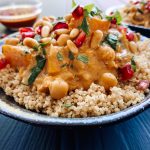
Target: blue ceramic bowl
(10, 108)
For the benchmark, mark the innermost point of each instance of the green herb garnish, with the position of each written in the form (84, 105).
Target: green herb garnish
(37, 37)
(96, 12)
(133, 64)
(44, 44)
(112, 40)
(140, 11)
(37, 69)
(59, 56)
(73, 4)
(84, 26)
(67, 105)
(89, 8)
(64, 65)
(116, 16)
(36, 48)
(71, 55)
(83, 58)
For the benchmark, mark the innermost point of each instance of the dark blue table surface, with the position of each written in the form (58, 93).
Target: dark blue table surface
(133, 134)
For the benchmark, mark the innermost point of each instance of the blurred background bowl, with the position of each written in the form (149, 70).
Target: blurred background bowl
(19, 13)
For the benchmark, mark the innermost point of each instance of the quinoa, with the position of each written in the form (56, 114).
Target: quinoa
(80, 103)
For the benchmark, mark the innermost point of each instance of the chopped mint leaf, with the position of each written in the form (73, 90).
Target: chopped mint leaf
(67, 105)
(35, 71)
(64, 65)
(37, 38)
(71, 56)
(96, 12)
(74, 4)
(59, 56)
(133, 64)
(89, 7)
(112, 40)
(84, 26)
(83, 58)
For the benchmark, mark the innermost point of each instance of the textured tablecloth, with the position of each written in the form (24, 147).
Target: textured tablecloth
(133, 134)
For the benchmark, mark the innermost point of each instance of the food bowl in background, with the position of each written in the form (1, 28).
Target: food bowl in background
(19, 13)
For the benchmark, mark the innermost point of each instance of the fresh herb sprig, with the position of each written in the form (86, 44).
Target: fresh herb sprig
(35, 71)
(112, 40)
(83, 58)
(59, 56)
(133, 64)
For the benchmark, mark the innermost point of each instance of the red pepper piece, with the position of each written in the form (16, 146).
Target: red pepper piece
(78, 12)
(130, 36)
(114, 21)
(60, 25)
(26, 29)
(3, 63)
(38, 30)
(80, 39)
(126, 72)
(147, 6)
(27, 34)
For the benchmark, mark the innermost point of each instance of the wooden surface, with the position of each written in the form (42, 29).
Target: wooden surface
(130, 135)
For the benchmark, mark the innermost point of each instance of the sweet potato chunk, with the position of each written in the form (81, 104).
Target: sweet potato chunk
(53, 65)
(98, 24)
(16, 56)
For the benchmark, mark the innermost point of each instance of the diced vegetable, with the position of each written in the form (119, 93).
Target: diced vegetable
(3, 63)
(53, 64)
(97, 24)
(78, 12)
(60, 25)
(26, 29)
(143, 85)
(17, 56)
(83, 58)
(126, 72)
(130, 36)
(27, 34)
(80, 39)
(133, 64)
(38, 30)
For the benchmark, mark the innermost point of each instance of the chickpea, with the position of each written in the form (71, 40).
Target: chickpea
(58, 88)
(12, 41)
(106, 53)
(30, 42)
(108, 80)
(96, 39)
